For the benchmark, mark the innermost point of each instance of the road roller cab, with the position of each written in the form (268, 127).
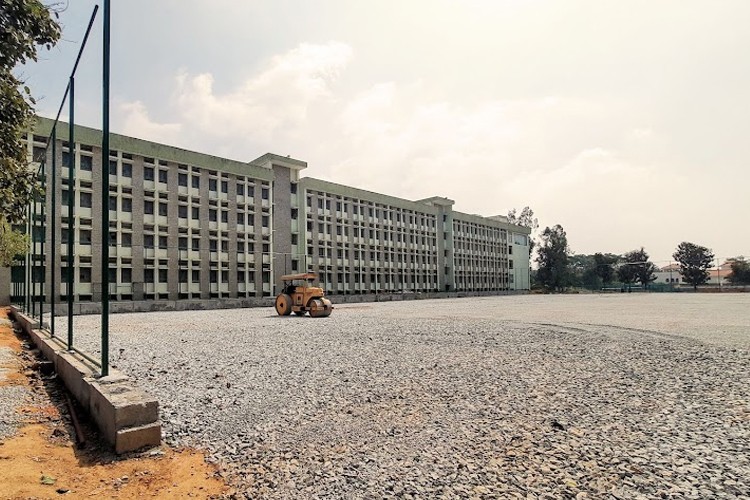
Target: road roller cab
(299, 296)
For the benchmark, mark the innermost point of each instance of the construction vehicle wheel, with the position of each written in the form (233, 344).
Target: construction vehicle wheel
(283, 304)
(299, 313)
(319, 308)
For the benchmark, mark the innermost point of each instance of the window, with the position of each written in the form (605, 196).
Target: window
(241, 218)
(113, 167)
(148, 275)
(224, 187)
(113, 203)
(212, 245)
(148, 207)
(148, 173)
(196, 244)
(148, 241)
(240, 247)
(240, 190)
(127, 239)
(86, 163)
(182, 180)
(84, 275)
(250, 191)
(196, 276)
(85, 200)
(212, 215)
(295, 214)
(163, 276)
(39, 154)
(264, 221)
(224, 216)
(212, 185)
(183, 243)
(196, 213)
(127, 204)
(264, 193)
(126, 275)
(196, 181)
(163, 242)
(127, 170)
(163, 209)
(182, 276)
(293, 188)
(85, 236)
(163, 176)
(182, 211)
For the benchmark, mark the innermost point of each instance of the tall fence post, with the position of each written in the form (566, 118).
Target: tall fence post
(42, 295)
(105, 189)
(33, 254)
(71, 204)
(26, 262)
(53, 239)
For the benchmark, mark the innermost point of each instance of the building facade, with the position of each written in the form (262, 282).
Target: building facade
(187, 226)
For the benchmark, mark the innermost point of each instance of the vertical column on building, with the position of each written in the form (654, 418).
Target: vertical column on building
(205, 253)
(137, 238)
(445, 246)
(54, 225)
(232, 232)
(281, 235)
(100, 167)
(173, 253)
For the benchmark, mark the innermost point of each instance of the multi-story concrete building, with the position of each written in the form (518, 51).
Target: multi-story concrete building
(187, 226)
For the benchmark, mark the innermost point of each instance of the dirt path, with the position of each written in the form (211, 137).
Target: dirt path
(42, 461)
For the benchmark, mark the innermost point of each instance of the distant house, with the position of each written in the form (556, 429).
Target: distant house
(719, 275)
(669, 275)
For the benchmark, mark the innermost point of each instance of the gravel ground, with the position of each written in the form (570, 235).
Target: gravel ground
(11, 396)
(619, 396)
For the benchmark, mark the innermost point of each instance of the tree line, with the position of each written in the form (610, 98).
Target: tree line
(559, 269)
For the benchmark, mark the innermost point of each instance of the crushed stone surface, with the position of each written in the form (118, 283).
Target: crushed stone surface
(591, 396)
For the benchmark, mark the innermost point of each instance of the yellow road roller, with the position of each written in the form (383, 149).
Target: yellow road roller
(298, 296)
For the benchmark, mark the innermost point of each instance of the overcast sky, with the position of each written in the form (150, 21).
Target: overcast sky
(627, 122)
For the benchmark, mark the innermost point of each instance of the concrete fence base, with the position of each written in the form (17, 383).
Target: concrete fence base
(127, 418)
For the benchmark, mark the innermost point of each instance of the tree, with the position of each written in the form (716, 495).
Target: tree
(740, 274)
(605, 266)
(694, 262)
(24, 24)
(12, 243)
(552, 257)
(636, 268)
(526, 219)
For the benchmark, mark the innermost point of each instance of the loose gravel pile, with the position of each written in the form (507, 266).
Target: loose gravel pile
(452, 398)
(11, 396)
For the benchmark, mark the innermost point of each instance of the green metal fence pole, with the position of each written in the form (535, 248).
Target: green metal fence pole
(53, 239)
(71, 204)
(27, 276)
(43, 297)
(105, 189)
(33, 254)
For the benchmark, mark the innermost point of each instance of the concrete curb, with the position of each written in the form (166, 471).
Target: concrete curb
(127, 418)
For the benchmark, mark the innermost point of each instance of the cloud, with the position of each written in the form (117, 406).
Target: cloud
(270, 103)
(587, 163)
(137, 123)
